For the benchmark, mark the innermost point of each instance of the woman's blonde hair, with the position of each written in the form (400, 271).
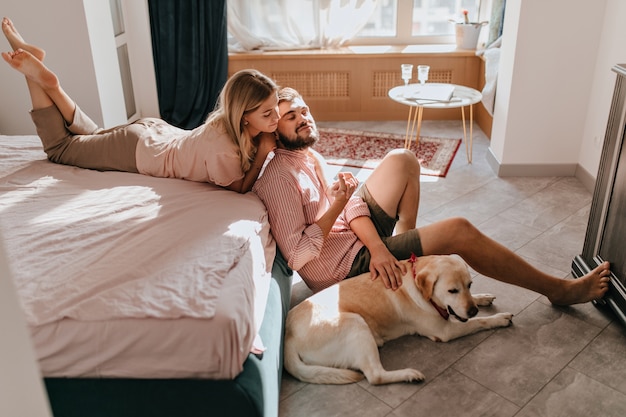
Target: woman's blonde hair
(243, 93)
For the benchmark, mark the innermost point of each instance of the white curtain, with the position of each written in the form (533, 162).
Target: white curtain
(295, 24)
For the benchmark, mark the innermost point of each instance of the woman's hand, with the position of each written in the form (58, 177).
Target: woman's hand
(265, 143)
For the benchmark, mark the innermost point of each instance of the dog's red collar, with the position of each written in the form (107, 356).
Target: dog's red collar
(442, 311)
(413, 259)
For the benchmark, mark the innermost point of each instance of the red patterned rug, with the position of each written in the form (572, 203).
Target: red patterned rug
(365, 149)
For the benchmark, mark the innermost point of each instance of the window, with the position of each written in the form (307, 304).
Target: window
(416, 21)
(301, 24)
(122, 55)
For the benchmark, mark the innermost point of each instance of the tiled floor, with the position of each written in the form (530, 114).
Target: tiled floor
(550, 362)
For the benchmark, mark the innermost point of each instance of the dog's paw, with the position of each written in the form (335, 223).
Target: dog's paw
(413, 375)
(483, 300)
(503, 319)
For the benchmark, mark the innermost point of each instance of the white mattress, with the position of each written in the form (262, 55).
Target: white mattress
(125, 275)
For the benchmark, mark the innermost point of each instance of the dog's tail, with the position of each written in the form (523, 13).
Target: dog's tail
(316, 374)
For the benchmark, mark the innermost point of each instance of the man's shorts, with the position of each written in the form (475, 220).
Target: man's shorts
(402, 246)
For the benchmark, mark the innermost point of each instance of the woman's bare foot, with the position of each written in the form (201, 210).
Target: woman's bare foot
(17, 42)
(587, 288)
(32, 68)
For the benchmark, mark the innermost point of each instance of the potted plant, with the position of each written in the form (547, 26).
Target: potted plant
(467, 32)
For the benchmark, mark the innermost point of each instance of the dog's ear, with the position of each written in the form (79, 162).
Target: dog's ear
(425, 281)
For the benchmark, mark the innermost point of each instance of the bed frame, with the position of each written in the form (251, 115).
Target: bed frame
(255, 392)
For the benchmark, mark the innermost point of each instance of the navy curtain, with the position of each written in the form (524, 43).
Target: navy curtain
(190, 48)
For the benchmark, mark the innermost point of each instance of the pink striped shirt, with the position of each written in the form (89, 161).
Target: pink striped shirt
(295, 198)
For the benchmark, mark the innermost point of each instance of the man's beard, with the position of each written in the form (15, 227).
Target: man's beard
(300, 142)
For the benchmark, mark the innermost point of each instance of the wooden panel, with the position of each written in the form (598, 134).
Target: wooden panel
(316, 84)
(344, 85)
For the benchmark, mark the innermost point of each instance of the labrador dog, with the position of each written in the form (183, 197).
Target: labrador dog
(335, 333)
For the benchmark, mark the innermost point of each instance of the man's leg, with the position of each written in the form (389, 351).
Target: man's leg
(395, 185)
(490, 258)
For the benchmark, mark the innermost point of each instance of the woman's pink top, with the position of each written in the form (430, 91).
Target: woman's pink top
(204, 154)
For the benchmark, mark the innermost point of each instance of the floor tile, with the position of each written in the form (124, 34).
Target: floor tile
(332, 400)
(507, 232)
(436, 195)
(419, 353)
(289, 385)
(478, 205)
(604, 359)
(453, 394)
(588, 312)
(527, 355)
(559, 244)
(551, 205)
(509, 298)
(573, 394)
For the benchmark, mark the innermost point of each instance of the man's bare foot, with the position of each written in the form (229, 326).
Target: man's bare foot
(32, 68)
(17, 42)
(587, 288)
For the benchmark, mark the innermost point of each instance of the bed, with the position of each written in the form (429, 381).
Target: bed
(143, 296)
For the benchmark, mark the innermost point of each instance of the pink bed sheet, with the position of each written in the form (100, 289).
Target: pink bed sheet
(127, 275)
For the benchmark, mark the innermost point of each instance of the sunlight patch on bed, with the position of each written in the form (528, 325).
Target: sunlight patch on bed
(131, 203)
(25, 192)
(243, 228)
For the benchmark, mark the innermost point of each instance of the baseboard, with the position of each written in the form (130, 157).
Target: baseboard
(533, 170)
(585, 177)
(493, 161)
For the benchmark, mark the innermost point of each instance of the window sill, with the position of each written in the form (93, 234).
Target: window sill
(361, 51)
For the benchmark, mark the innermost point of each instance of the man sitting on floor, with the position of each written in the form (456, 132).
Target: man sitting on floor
(331, 233)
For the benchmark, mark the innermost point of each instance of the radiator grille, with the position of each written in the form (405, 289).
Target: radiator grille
(383, 81)
(334, 84)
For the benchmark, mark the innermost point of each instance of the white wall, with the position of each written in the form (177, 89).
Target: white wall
(611, 51)
(78, 38)
(106, 67)
(60, 28)
(141, 58)
(22, 392)
(548, 68)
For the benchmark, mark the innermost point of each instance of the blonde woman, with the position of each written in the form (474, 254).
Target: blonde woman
(228, 150)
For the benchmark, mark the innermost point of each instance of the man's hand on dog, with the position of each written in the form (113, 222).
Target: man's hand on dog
(384, 265)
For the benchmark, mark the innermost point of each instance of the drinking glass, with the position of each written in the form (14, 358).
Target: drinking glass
(422, 73)
(407, 72)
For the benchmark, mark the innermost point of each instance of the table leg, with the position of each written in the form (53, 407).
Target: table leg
(420, 112)
(407, 144)
(471, 132)
(415, 123)
(468, 145)
(464, 132)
